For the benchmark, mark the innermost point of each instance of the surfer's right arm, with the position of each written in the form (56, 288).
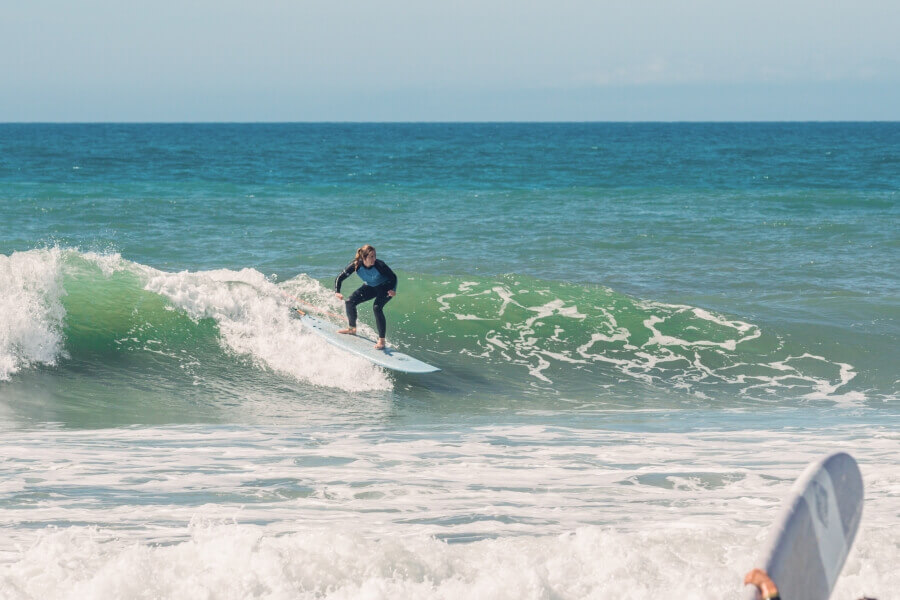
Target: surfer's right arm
(350, 270)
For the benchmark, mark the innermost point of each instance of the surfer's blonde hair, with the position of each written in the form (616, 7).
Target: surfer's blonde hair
(362, 253)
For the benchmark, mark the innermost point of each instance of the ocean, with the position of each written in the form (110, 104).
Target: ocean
(645, 332)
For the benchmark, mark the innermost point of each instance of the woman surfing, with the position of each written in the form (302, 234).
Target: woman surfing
(379, 282)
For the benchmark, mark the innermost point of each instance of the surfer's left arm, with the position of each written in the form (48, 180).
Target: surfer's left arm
(391, 276)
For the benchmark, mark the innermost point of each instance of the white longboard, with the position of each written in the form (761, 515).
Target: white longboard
(810, 541)
(364, 347)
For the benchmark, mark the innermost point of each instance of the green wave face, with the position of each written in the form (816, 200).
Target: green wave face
(111, 315)
(588, 342)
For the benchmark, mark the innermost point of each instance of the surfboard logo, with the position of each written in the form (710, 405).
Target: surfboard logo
(821, 496)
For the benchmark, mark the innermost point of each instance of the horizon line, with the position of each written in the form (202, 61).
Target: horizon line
(461, 122)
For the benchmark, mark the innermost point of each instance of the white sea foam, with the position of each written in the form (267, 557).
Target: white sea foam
(253, 319)
(702, 349)
(31, 310)
(349, 513)
(109, 264)
(243, 562)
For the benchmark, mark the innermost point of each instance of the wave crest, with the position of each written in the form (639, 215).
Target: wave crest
(31, 294)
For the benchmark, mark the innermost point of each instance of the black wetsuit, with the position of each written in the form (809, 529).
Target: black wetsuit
(378, 281)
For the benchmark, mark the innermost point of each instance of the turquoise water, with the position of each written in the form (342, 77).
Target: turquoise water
(644, 331)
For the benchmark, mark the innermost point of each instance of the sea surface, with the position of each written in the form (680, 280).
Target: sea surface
(645, 332)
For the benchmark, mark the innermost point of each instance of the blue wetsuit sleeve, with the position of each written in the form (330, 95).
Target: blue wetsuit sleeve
(386, 271)
(350, 270)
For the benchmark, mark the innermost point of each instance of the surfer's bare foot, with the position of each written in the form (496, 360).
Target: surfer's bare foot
(380, 345)
(350, 330)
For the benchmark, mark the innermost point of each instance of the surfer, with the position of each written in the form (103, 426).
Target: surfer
(379, 282)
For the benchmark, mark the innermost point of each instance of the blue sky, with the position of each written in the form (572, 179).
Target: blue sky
(401, 60)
